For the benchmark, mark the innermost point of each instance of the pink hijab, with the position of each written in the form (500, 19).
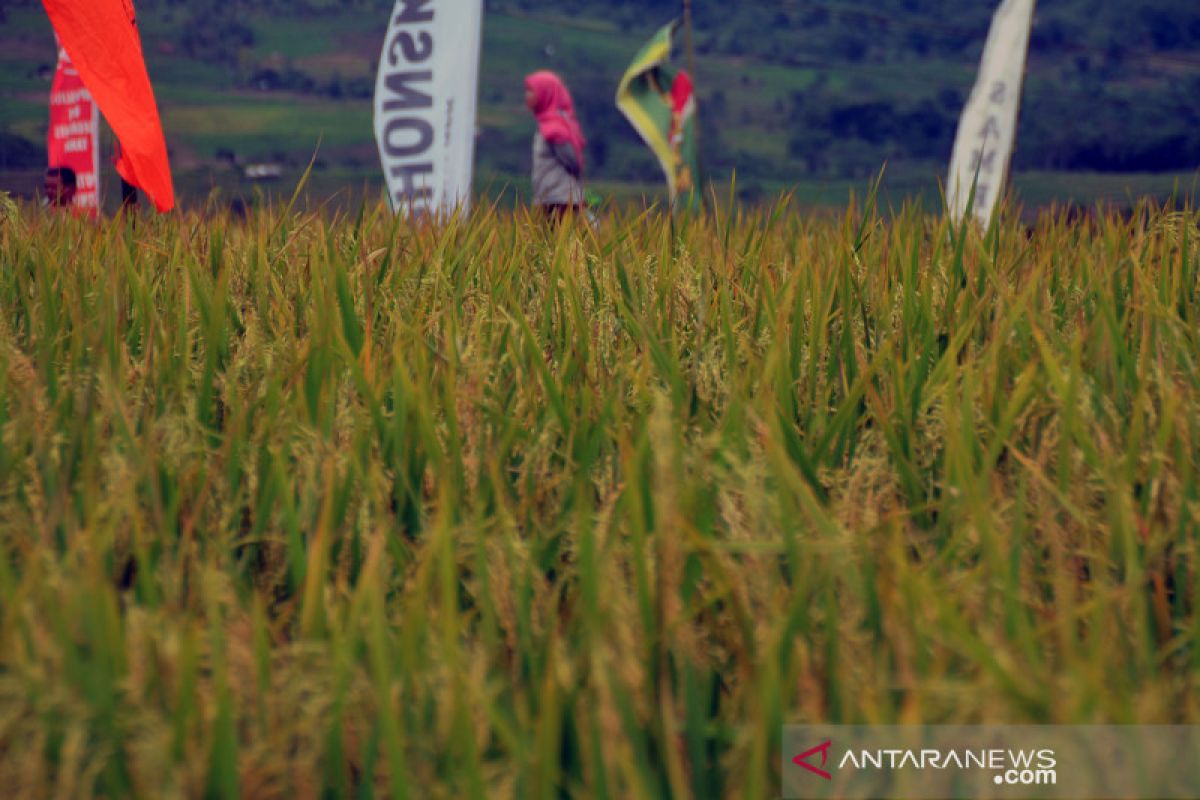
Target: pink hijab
(555, 111)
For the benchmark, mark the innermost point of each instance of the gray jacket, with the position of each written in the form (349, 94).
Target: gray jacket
(557, 176)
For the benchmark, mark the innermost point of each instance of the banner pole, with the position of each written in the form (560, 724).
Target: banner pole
(691, 66)
(687, 33)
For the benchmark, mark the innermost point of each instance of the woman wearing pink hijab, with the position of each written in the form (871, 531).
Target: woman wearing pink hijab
(557, 146)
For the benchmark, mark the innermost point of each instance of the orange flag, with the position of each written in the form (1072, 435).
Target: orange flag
(101, 37)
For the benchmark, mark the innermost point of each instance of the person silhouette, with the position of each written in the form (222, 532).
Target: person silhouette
(557, 146)
(59, 185)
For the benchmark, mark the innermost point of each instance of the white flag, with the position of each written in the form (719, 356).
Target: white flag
(988, 128)
(425, 99)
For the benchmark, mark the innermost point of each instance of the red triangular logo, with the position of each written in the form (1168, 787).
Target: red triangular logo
(802, 759)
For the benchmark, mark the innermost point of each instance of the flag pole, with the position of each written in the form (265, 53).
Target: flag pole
(687, 33)
(691, 67)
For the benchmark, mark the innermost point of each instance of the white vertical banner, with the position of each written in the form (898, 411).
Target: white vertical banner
(988, 128)
(425, 101)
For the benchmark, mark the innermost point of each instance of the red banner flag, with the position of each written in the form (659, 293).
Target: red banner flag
(74, 137)
(102, 39)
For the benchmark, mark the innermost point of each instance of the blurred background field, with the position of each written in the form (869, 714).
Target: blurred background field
(306, 505)
(808, 97)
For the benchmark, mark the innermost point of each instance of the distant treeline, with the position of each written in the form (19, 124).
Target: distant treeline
(1112, 86)
(881, 30)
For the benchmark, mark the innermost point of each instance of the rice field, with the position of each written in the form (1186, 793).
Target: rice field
(317, 505)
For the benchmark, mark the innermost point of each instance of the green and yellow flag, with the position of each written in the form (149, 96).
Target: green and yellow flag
(658, 100)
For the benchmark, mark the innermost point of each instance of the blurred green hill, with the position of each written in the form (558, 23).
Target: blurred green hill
(811, 97)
